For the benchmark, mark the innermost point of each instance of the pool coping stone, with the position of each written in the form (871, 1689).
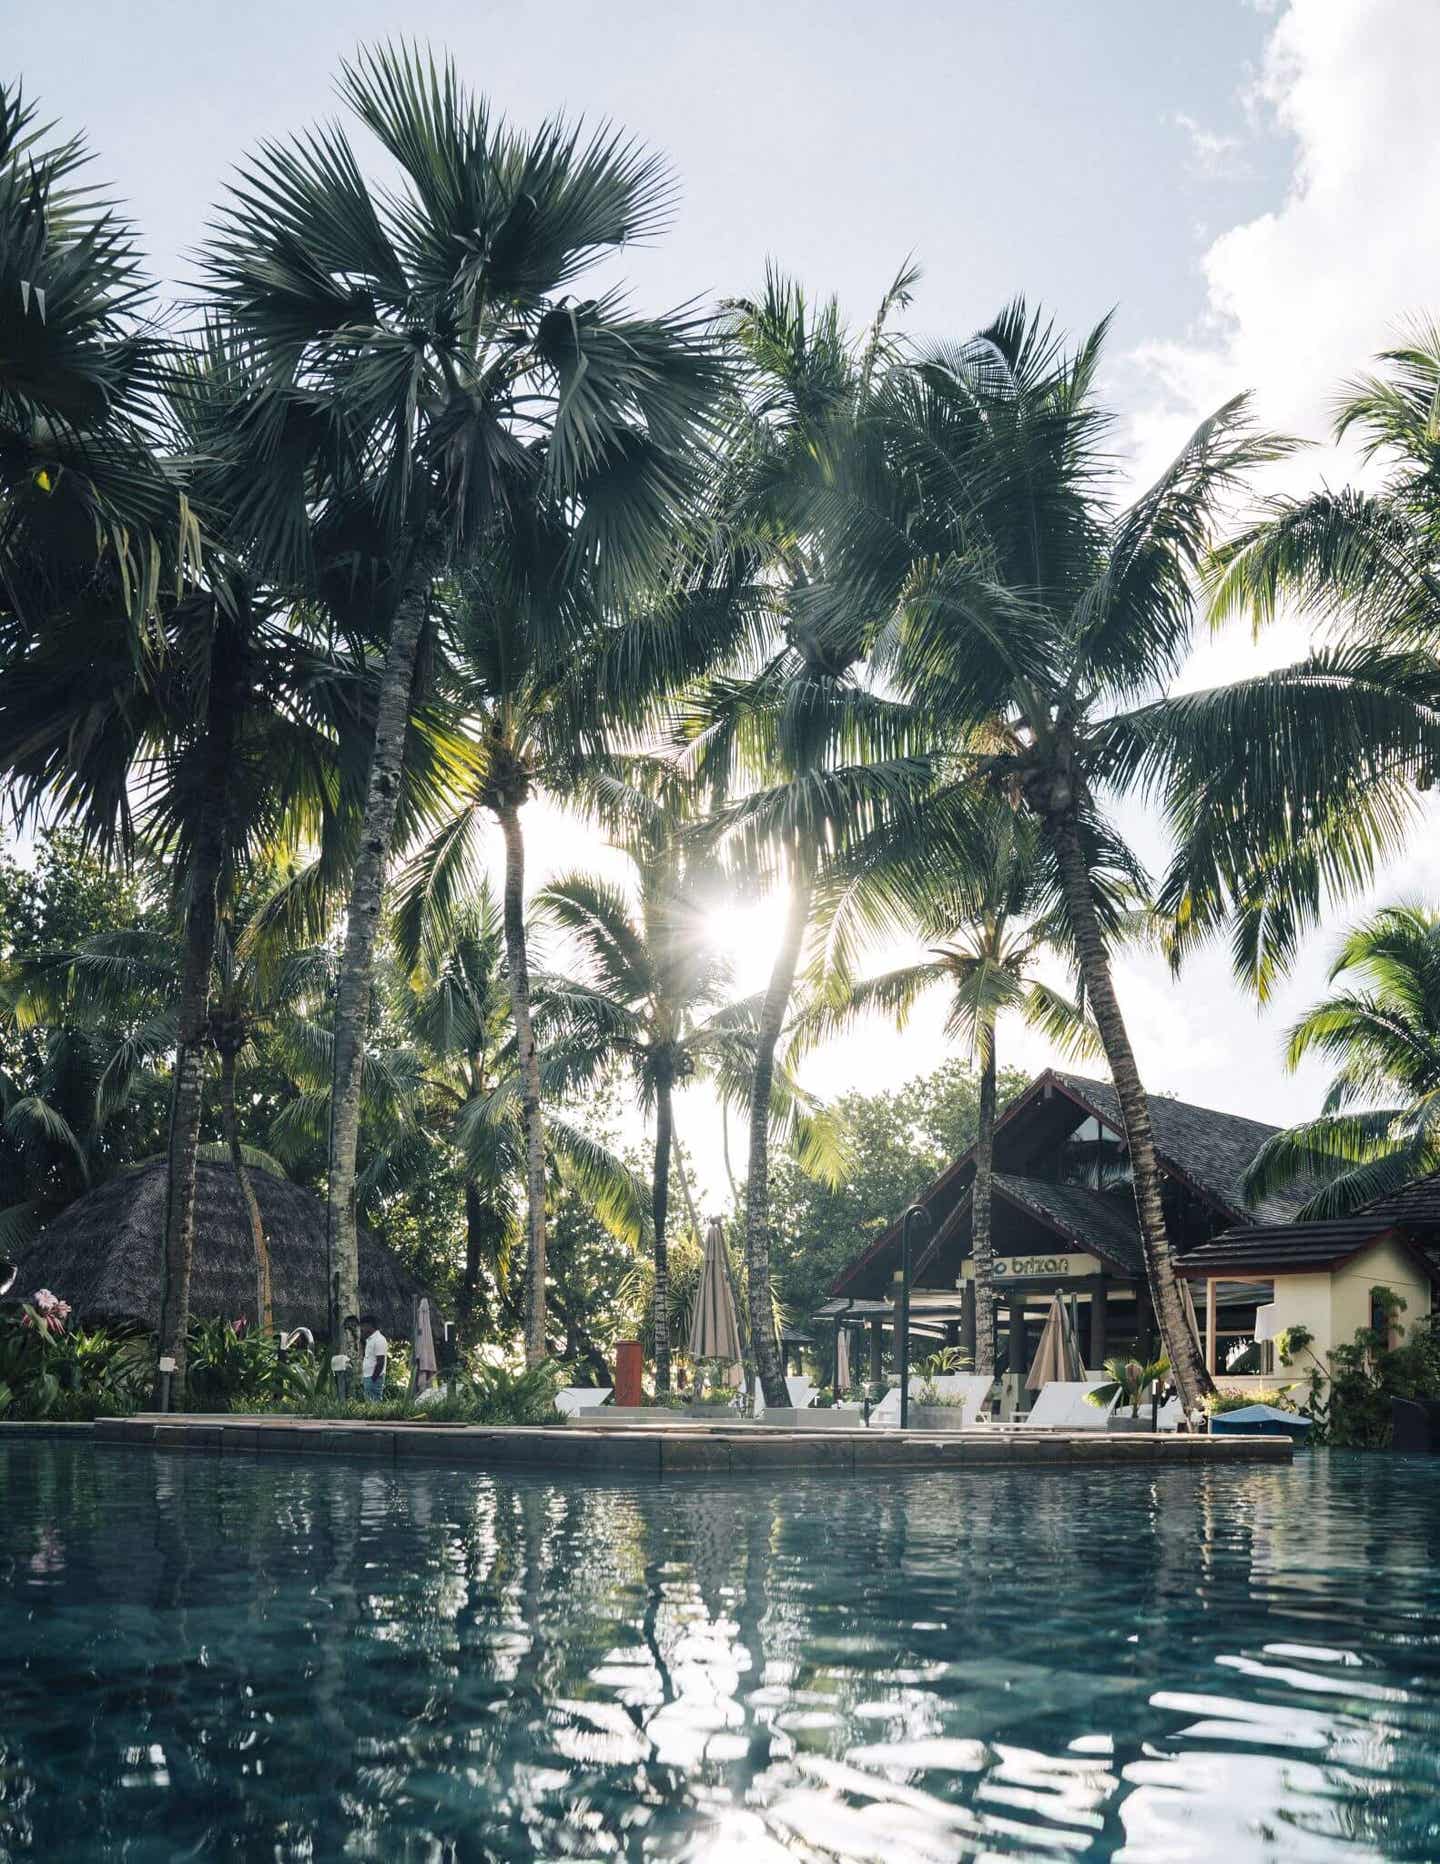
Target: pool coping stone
(674, 1450)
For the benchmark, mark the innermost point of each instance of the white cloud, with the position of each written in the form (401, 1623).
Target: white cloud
(1300, 298)
(1214, 155)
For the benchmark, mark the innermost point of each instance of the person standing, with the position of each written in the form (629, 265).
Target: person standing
(376, 1353)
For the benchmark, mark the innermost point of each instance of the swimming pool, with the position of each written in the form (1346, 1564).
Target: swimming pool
(222, 1657)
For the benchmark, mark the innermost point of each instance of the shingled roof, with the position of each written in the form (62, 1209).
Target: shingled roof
(1091, 1218)
(1209, 1148)
(1411, 1215)
(1198, 1146)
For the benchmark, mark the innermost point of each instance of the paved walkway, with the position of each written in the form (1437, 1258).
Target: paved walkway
(680, 1449)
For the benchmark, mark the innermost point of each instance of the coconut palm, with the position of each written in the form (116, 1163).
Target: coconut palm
(1358, 561)
(989, 929)
(797, 718)
(1010, 593)
(657, 997)
(1380, 1123)
(430, 387)
(457, 1010)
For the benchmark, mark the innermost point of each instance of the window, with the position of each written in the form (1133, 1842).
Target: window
(1094, 1156)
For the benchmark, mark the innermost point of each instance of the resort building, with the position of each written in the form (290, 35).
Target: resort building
(1063, 1221)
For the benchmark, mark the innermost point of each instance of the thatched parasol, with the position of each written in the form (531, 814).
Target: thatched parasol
(102, 1254)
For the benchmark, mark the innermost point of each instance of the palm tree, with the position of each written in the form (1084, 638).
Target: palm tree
(1362, 561)
(1380, 1124)
(87, 515)
(430, 386)
(989, 928)
(798, 718)
(119, 988)
(1008, 593)
(656, 994)
(457, 1011)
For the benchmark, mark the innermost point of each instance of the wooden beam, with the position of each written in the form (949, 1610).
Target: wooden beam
(1099, 1305)
(1210, 1325)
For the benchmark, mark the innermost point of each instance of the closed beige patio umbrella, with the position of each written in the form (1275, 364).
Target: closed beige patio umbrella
(714, 1330)
(842, 1360)
(1058, 1354)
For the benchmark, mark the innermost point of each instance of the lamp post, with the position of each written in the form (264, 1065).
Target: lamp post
(916, 1214)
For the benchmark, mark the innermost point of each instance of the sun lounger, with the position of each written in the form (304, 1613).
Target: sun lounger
(572, 1399)
(802, 1392)
(1062, 1405)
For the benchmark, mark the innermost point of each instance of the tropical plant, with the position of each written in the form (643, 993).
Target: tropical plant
(1359, 562)
(1126, 1382)
(49, 1368)
(88, 519)
(825, 753)
(1379, 1126)
(454, 1008)
(656, 995)
(993, 925)
(432, 392)
(1039, 624)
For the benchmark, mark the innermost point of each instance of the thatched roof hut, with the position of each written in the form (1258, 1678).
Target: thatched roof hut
(102, 1254)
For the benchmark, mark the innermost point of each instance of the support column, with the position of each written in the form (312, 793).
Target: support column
(967, 1320)
(1210, 1324)
(1017, 1335)
(1099, 1319)
(877, 1351)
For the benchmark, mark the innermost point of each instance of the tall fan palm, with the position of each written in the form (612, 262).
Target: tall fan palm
(991, 928)
(1014, 594)
(87, 516)
(798, 719)
(1380, 1124)
(433, 389)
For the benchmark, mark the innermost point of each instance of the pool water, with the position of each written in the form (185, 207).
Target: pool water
(288, 1659)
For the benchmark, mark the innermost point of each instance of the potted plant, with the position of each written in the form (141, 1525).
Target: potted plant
(712, 1398)
(1127, 1384)
(930, 1408)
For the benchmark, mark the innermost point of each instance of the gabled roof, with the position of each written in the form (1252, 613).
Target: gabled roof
(1205, 1150)
(1211, 1150)
(1411, 1216)
(1296, 1248)
(1103, 1225)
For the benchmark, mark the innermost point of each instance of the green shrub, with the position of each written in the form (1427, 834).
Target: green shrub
(1236, 1401)
(49, 1369)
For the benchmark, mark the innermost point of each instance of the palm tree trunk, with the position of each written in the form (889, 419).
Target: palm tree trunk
(660, 1211)
(352, 997)
(264, 1308)
(981, 1197)
(519, 967)
(202, 921)
(757, 1191)
(470, 1281)
(1182, 1348)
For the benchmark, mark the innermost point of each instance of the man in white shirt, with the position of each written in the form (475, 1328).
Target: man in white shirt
(377, 1351)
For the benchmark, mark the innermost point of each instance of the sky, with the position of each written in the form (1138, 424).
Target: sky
(1248, 184)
